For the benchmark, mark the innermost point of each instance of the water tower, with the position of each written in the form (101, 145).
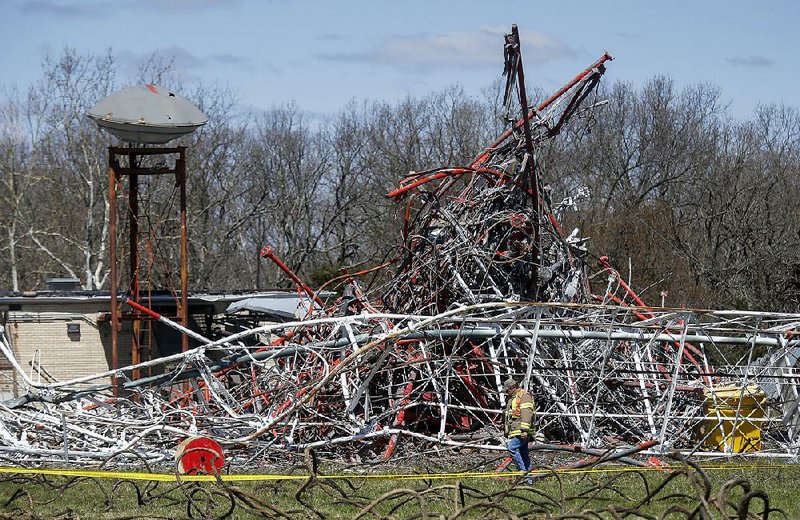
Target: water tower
(147, 117)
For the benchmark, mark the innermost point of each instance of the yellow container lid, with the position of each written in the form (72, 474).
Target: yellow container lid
(732, 391)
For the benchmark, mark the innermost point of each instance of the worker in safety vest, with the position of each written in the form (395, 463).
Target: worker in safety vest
(518, 420)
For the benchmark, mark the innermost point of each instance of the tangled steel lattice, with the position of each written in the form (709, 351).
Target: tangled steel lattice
(487, 286)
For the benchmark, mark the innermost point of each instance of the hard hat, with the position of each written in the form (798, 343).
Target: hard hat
(509, 384)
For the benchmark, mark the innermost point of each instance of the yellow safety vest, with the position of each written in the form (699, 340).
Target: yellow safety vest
(519, 414)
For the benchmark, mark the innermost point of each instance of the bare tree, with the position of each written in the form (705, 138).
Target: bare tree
(700, 205)
(73, 228)
(21, 167)
(286, 166)
(740, 228)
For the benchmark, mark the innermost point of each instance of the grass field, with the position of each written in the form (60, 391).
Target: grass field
(719, 492)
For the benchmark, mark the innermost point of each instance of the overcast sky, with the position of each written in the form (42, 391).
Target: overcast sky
(322, 53)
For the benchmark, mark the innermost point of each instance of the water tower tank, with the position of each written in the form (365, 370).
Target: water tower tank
(147, 114)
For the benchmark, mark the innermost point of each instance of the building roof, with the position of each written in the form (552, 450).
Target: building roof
(277, 302)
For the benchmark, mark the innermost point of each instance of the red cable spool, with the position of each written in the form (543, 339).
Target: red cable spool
(518, 220)
(199, 455)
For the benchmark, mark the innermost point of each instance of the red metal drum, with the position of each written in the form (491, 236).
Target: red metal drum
(199, 455)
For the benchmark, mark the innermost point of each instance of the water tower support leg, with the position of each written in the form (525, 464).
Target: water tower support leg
(112, 245)
(133, 237)
(180, 166)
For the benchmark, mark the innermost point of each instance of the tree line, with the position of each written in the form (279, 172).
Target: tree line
(683, 197)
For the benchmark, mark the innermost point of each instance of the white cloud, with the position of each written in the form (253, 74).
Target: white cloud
(187, 5)
(63, 9)
(102, 9)
(750, 61)
(183, 59)
(483, 46)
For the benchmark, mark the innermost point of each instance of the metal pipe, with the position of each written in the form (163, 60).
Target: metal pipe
(180, 172)
(133, 241)
(180, 328)
(112, 246)
(268, 252)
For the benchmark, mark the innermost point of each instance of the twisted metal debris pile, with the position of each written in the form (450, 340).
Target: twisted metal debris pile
(358, 387)
(487, 286)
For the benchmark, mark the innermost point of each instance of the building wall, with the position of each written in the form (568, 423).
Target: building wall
(39, 331)
(39, 323)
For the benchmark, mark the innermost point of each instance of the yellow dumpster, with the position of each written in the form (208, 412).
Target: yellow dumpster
(730, 411)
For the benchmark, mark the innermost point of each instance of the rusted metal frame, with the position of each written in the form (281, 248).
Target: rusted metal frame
(363, 388)
(221, 396)
(133, 172)
(433, 378)
(502, 177)
(180, 181)
(196, 391)
(146, 171)
(133, 246)
(403, 399)
(571, 388)
(349, 398)
(605, 264)
(462, 382)
(465, 237)
(348, 275)
(112, 245)
(140, 150)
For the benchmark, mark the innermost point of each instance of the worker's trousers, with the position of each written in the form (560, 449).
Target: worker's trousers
(519, 453)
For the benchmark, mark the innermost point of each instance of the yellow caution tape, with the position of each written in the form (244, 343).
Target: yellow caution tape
(243, 477)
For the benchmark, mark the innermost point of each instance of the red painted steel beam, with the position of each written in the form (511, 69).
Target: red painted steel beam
(156, 316)
(268, 252)
(505, 135)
